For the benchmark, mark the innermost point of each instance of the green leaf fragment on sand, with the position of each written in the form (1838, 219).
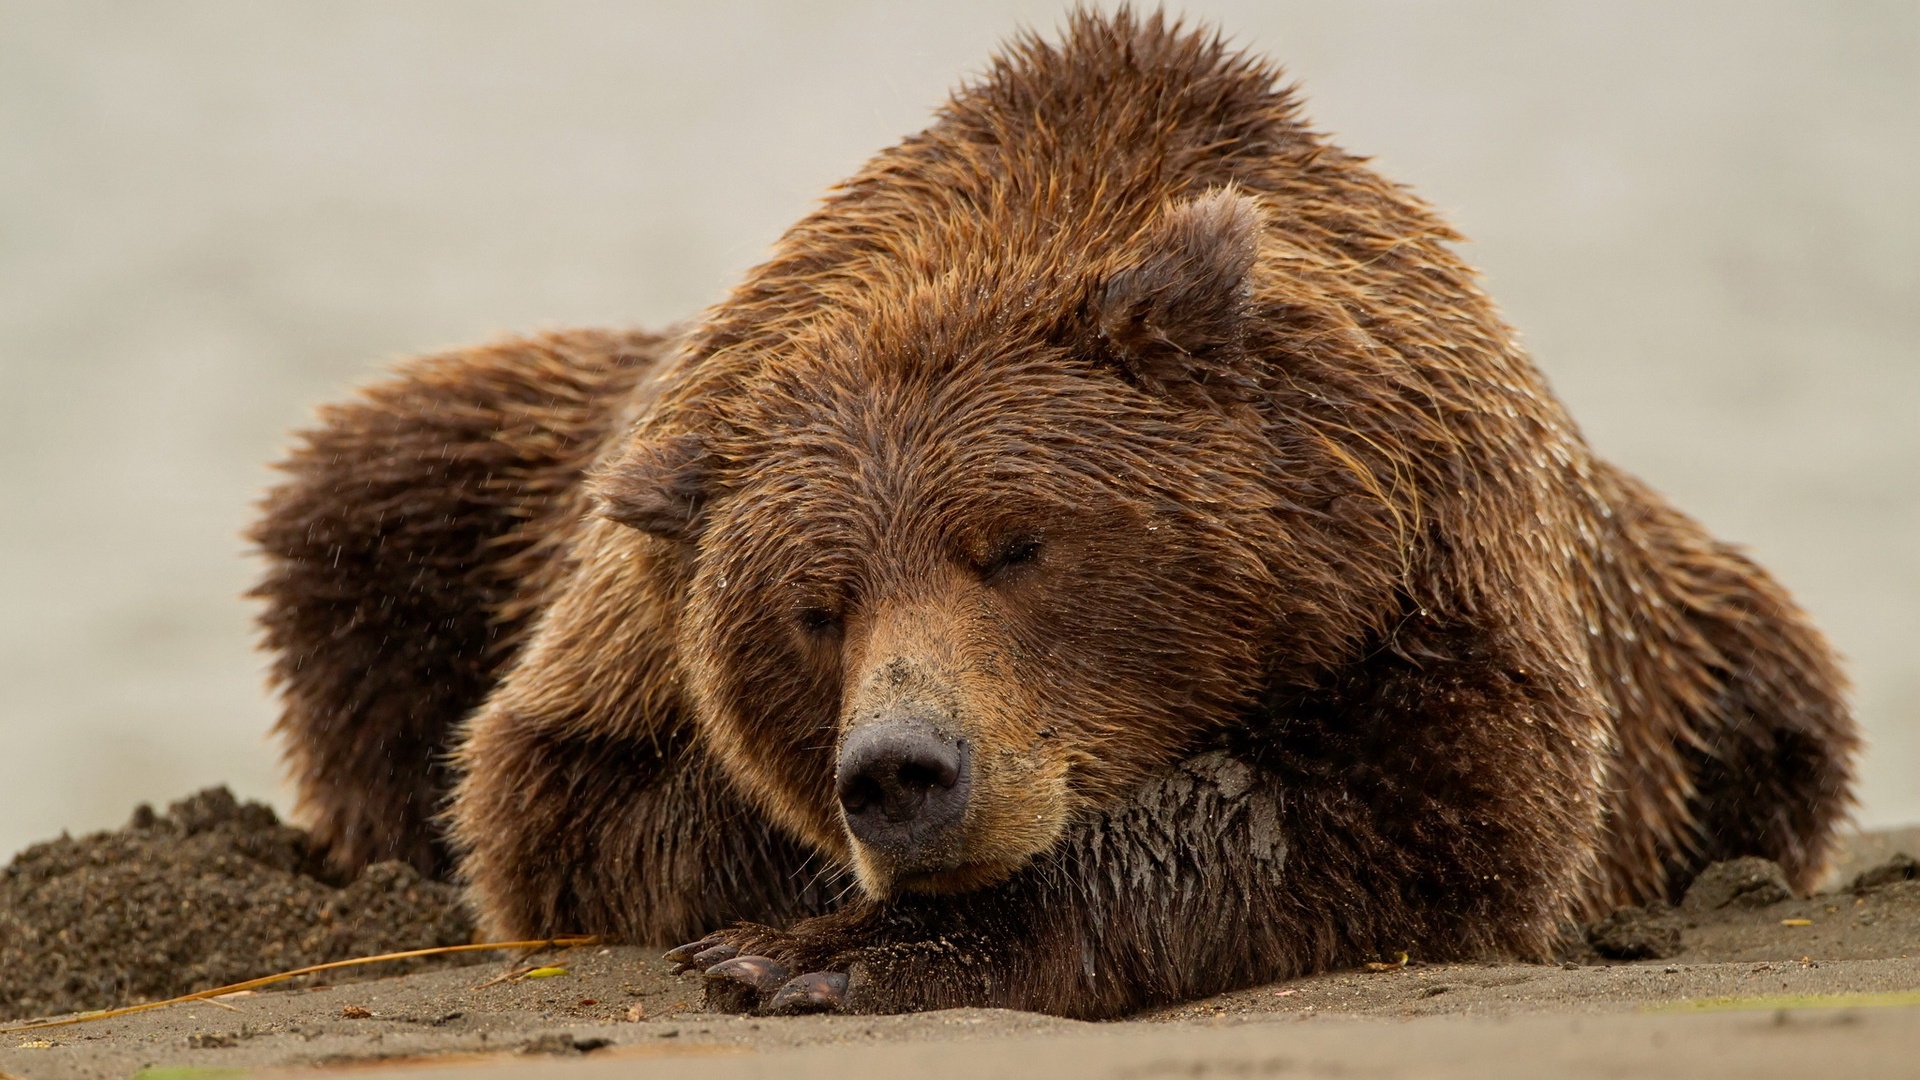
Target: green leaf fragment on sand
(545, 972)
(1793, 1001)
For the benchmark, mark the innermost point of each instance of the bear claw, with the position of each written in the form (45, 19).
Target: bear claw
(714, 954)
(814, 992)
(740, 983)
(686, 957)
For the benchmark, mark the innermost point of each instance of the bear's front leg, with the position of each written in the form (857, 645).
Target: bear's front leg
(585, 803)
(1176, 893)
(1446, 809)
(631, 839)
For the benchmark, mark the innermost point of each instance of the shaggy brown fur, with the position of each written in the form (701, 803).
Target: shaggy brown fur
(1156, 450)
(418, 521)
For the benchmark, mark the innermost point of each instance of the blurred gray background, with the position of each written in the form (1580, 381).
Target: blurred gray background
(1705, 218)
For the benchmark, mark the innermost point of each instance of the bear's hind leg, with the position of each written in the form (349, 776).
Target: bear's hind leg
(1773, 780)
(403, 528)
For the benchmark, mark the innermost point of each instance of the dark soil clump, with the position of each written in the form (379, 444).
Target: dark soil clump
(1637, 933)
(1746, 883)
(1901, 867)
(213, 892)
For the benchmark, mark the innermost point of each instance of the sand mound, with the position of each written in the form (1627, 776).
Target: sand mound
(213, 892)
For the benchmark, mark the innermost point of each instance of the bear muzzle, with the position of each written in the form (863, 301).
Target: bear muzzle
(904, 786)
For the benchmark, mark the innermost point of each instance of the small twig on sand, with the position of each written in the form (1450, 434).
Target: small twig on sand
(268, 980)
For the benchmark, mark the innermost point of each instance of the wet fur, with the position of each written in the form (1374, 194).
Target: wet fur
(405, 551)
(1344, 642)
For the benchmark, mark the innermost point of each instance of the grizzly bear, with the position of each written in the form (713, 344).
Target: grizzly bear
(1112, 552)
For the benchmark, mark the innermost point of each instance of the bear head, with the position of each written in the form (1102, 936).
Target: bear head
(978, 545)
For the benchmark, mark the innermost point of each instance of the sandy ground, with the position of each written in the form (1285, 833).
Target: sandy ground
(1826, 985)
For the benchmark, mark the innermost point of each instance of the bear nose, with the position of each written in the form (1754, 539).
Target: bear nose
(902, 786)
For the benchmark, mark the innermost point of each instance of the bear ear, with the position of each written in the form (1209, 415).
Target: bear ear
(1179, 314)
(657, 487)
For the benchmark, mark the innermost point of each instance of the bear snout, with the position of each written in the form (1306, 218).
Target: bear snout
(903, 789)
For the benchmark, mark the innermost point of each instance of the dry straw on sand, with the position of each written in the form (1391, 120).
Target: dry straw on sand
(250, 984)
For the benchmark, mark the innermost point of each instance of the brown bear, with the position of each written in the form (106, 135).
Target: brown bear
(1111, 553)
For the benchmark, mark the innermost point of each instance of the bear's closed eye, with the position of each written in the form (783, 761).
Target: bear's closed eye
(1023, 551)
(816, 620)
